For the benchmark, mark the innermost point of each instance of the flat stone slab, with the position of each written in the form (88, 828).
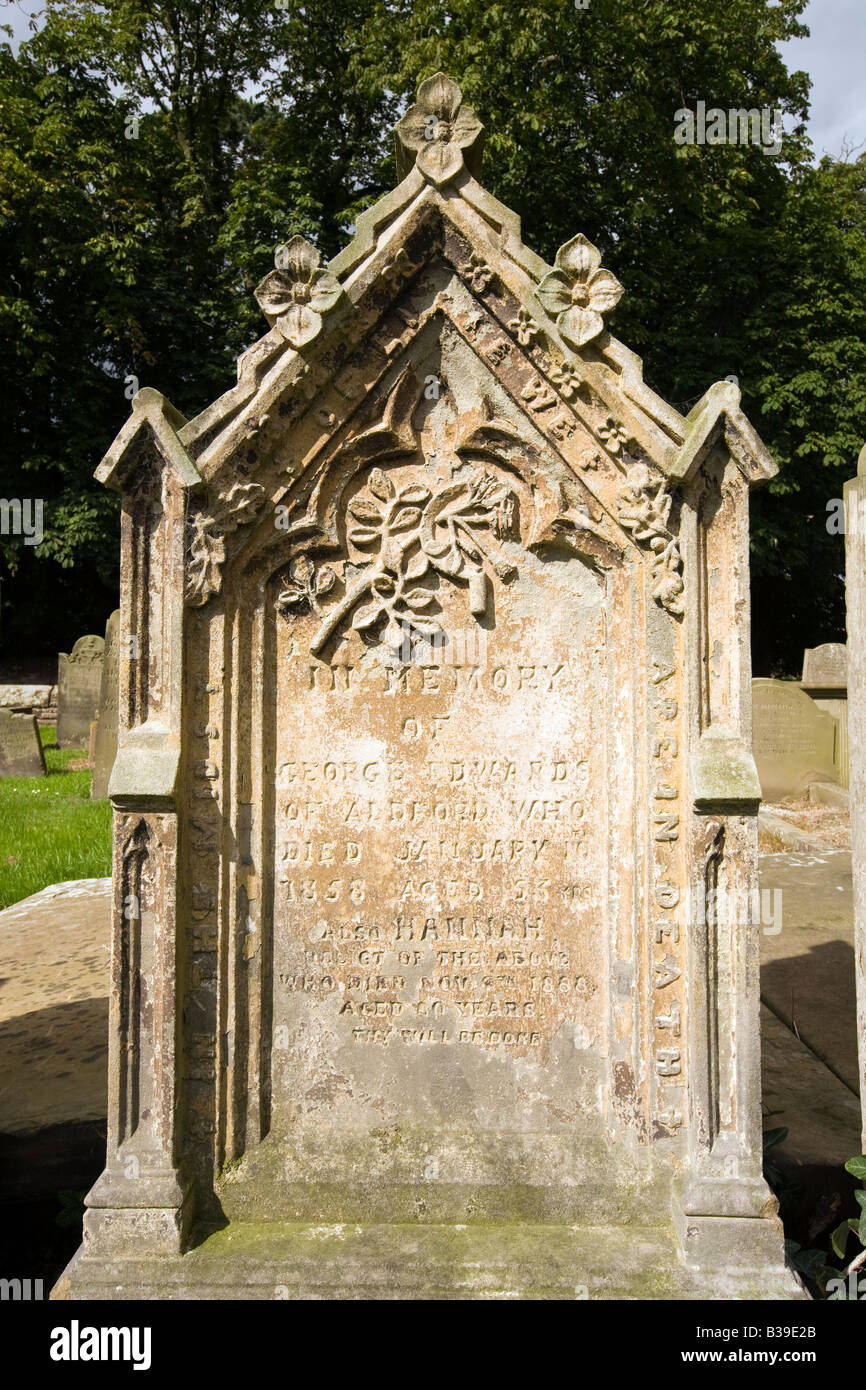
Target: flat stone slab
(807, 968)
(792, 739)
(792, 836)
(828, 794)
(78, 679)
(30, 697)
(277, 1260)
(826, 666)
(54, 968)
(819, 1111)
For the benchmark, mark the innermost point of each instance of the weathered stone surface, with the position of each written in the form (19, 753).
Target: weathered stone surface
(78, 679)
(807, 952)
(826, 667)
(54, 949)
(790, 836)
(855, 595)
(423, 1260)
(794, 742)
(54, 962)
(105, 742)
(27, 697)
(433, 754)
(825, 679)
(827, 794)
(21, 752)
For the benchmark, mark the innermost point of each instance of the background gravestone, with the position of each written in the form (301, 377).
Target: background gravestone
(855, 597)
(434, 751)
(21, 752)
(78, 680)
(105, 743)
(794, 741)
(826, 668)
(825, 680)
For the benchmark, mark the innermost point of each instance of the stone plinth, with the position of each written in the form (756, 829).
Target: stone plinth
(825, 679)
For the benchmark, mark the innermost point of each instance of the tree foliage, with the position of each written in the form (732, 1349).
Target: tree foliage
(153, 152)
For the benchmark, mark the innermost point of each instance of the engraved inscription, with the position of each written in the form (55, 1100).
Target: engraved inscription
(437, 832)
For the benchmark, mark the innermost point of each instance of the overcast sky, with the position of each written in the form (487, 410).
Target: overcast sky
(834, 56)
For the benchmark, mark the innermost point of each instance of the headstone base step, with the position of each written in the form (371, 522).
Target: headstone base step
(289, 1261)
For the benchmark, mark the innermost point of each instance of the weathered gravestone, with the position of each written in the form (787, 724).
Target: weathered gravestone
(825, 680)
(78, 678)
(433, 749)
(826, 668)
(21, 752)
(794, 741)
(855, 597)
(105, 743)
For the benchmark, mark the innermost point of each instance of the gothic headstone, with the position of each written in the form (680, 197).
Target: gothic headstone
(21, 752)
(78, 678)
(435, 803)
(105, 742)
(855, 596)
(794, 741)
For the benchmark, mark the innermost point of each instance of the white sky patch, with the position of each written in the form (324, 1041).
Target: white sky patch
(834, 56)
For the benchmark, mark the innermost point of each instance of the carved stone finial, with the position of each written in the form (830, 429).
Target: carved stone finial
(296, 295)
(578, 292)
(439, 133)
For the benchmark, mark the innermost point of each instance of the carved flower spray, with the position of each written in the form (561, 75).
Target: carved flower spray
(415, 532)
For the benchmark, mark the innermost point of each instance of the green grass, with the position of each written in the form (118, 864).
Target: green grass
(50, 830)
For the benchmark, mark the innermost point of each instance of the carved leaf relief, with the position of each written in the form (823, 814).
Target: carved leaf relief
(403, 536)
(208, 527)
(307, 585)
(644, 510)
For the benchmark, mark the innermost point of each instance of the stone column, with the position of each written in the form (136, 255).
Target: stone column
(855, 592)
(142, 1201)
(724, 1208)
